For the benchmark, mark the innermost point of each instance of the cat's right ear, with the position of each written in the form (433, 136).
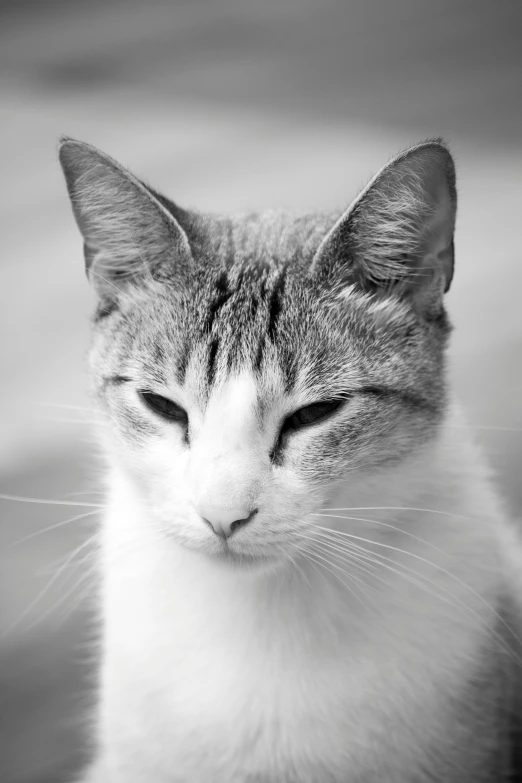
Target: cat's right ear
(127, 231)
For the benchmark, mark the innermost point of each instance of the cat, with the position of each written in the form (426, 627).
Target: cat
(307, 575)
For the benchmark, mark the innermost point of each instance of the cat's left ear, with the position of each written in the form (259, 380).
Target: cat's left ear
(397, 236)
(127, 231)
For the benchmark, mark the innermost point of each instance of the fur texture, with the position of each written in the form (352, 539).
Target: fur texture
(359, 620)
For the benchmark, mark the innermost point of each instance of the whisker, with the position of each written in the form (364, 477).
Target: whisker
(48, 502)
(343, 549)
(125, 294)
(487, 427)
(65, 406)
(351, 557)
(379, 561)
(350, 576)
(63, 420)
(296, 565)
(28, 609)
(383, 524)
(85, 579)
(461, 606)
(347, 548)
(86, 492)
(433, 565)
(400, 508)
(352, 561)
(57, 525)
(315, 566)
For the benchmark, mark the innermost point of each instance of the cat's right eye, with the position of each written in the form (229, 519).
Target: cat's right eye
(164, 407)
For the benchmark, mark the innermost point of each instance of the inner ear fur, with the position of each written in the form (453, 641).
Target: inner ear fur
(127, 231)
(398, 234)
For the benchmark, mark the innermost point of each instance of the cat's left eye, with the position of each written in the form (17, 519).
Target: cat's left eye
(310, 414)
(165, 407)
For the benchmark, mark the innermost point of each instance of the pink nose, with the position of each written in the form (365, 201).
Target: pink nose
(225, 521)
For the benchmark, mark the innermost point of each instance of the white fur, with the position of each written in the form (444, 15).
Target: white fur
(214, 673)
(226, 471)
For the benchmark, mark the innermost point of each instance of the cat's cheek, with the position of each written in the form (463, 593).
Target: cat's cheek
(157, 466)
(292, 494)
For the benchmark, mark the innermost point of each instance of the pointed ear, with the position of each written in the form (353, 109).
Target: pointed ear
(398, 234)
(127, 231)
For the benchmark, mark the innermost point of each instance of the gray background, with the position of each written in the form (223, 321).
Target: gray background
(224, 105)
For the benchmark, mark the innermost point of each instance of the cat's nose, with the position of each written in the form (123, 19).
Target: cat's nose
(224, 522)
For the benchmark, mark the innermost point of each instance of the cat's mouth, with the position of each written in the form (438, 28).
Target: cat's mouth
(241, 559)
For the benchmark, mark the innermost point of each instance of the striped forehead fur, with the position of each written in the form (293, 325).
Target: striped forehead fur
(245, 311)
(246, 276)
(245, 292)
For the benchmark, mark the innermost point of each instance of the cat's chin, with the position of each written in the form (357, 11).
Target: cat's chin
(229, 558)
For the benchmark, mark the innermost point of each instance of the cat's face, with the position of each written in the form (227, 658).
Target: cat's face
(244, 370)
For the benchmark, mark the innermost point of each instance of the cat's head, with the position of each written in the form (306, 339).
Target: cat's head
(249, 365)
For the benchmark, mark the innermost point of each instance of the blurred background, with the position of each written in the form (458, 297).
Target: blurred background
(223, 104)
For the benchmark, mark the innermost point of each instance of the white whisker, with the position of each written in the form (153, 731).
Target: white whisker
(352, 554)
(432, 565)
(63, 420)
(350, 576)
(491, 428)
(400, 508)
(125, 294)
(45, 589)
(48, 502)
(296, 565)
(383, 524)
(56, 526)
(64, 406)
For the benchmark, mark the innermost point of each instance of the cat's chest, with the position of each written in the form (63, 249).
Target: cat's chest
(246, 723)
(198, 693)
(234, 720)
(225, 709)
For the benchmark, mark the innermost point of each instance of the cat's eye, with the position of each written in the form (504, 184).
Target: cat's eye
(310, 414)
(164, 407)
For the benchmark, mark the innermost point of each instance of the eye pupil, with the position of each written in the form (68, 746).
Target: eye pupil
(164, 407)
